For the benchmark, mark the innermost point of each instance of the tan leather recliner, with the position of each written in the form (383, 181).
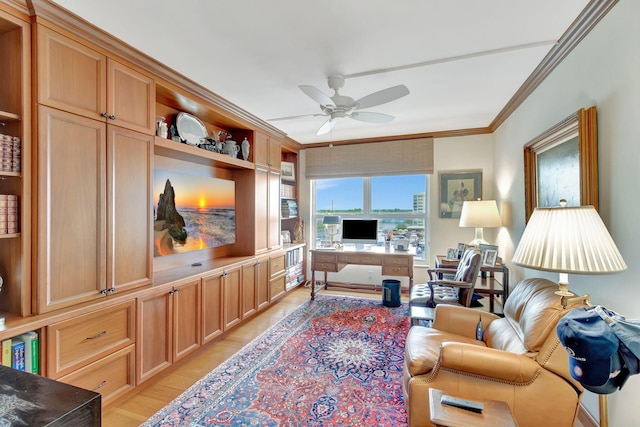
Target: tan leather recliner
(519, 361)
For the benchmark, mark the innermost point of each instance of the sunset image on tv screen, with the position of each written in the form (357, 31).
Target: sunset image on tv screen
(192, 212)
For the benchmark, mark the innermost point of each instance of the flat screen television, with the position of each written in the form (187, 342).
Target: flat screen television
(192, 212)
(360, 231)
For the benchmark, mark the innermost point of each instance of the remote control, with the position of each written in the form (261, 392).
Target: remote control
(469, 405)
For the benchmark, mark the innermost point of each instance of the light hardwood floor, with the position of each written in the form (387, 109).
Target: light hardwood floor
(157, 392)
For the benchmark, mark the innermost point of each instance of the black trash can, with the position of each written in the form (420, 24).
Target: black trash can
(391, 293)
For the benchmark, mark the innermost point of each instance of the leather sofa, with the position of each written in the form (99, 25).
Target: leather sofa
(519, 361)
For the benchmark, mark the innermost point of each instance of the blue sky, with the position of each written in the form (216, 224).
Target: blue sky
(389, 192)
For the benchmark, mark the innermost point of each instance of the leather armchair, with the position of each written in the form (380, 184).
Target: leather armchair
(519, 361)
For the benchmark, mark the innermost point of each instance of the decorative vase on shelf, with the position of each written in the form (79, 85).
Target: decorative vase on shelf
(245, 149)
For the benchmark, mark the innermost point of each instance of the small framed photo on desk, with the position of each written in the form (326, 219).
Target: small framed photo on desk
(489, 258)
(452, 253)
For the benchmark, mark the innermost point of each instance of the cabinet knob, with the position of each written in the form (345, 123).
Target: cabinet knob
(104, 114)
(176, 290)
(103, 292)
(112, 117)
(112, 289)
(172, 291)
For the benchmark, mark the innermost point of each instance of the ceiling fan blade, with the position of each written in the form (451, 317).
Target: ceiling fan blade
(295, 117)
(381, 97)
(327, 126)
(317, 95)
(369, 117)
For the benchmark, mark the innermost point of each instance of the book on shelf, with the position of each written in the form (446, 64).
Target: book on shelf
(31, 352)
(7, 356)
(17, 353)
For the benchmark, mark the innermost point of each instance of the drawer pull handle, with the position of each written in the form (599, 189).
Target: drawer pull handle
(99, 386)
(101, 334)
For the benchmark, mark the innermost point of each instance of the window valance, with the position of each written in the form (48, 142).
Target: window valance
(402, 157)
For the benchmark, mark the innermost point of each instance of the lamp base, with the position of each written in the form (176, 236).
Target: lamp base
(479, 239)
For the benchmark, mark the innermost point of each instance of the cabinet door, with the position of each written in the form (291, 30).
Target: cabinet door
(261, 149)
(212, 298)
(186, 319)
(249, 295)
(262, 282)
(71, 196)
(129, 198)
(232, 298)
(71, 76)
(275, 154)
(154, 334)
(130, 98)
(273, 229)
(262, 210)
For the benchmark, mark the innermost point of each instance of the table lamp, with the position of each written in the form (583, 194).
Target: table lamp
(331, 225)
(479, 214)
(569, 240)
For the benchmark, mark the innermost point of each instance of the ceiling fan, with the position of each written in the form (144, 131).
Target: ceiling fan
(340, 106)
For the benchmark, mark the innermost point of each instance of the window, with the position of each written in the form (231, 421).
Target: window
(397, 202)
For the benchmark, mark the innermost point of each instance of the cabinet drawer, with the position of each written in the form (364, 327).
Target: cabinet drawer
(319, 257)
(397, 260)
(360, 259)
(277, 265)
(76, 342)
(325, 266)
(395, 270)
(277, 287)
(110, 376)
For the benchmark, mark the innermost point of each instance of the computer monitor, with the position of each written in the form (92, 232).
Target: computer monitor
(360, 231)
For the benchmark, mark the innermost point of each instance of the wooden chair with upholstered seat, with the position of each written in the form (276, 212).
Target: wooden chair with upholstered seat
(456, 291)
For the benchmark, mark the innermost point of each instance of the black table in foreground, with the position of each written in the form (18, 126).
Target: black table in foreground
(31, 400)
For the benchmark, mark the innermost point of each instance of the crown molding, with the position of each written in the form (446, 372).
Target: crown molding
(583, 24)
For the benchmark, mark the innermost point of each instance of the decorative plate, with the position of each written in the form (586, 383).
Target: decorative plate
(190, 128)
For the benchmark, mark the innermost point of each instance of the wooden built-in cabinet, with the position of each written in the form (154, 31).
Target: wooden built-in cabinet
(111, 376)
(15, 114)
(79, 341)
(277, 273)
(94, 209)
(267, 213)
(81, 270)
(255, 286)
(223, 287)
(168, 326)
(79, 79)
(267, 151)
(95, 158)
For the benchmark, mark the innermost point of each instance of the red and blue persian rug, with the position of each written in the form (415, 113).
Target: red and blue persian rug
(336, 361)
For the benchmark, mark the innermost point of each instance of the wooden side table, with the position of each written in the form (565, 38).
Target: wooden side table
(494, 414)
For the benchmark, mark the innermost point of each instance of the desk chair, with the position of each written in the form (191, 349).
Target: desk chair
(456, 291)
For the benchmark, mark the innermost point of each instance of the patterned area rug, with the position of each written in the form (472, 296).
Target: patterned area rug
(336, 361)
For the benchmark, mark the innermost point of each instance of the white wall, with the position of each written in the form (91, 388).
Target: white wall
(604, 70)
(458, 154)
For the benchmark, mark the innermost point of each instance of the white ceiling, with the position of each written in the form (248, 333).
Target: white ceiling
(255, 53)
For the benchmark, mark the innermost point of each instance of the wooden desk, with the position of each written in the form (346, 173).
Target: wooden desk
(494, 414)
(393, 263)
(487, 284)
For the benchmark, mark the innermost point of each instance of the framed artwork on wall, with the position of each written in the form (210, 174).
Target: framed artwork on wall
(455, 188)
(562, 163)
(288, 171)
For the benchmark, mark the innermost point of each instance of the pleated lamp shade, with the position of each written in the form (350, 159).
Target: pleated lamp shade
(568, 240)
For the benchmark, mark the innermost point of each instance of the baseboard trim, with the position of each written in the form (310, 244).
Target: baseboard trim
(586, 419)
